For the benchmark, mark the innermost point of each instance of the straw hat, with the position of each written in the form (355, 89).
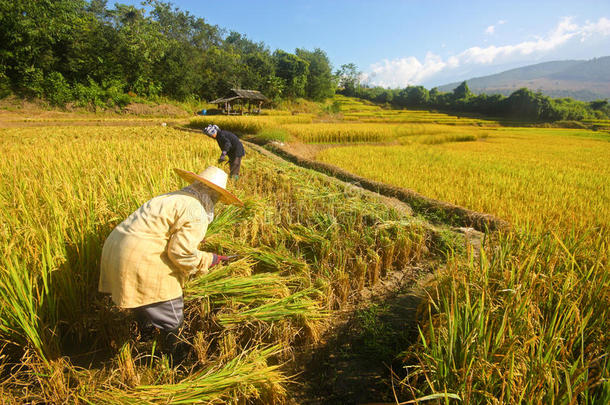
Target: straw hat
(214, 178)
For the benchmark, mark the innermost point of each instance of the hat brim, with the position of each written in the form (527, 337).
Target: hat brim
(225, 196)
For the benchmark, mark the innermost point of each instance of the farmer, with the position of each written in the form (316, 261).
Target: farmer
(147, 258)
(230, 145)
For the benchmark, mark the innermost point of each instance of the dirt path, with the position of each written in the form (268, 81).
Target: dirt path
(356, 360)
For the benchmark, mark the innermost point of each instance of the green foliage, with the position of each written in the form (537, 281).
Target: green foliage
(293, 70)
(57, 89)
(272, 134)
(414, 95)
(333, 108)
(462, 91)
(320, 82)
(523, 104)
(377, 336)
(348, 77)
(67, 50)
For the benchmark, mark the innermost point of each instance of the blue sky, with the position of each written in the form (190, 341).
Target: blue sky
(410, 42)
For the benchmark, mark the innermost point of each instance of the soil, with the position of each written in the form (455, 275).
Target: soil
(16, 112)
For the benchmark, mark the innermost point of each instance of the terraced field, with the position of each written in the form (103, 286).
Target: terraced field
(511, 316)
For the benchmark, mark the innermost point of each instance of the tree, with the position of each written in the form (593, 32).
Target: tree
(348, 78)
(462, 91)
(416, 96)
(293, 71)
(320, 81)
(256, 62)
(523, 103)
(35, 37)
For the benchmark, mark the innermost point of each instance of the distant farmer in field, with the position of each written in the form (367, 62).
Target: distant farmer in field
(230, 145)
(147, 258)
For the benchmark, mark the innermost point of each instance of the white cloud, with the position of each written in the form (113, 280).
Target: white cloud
(399, 72)
(601, 27)
(409, 70)
(564, 31)
(492, 28)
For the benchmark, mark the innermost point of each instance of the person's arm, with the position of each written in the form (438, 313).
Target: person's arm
(183, 244)
(225, 146)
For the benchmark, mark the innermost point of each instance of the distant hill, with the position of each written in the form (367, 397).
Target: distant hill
(581, 80)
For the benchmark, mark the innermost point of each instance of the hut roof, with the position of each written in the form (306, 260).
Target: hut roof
(241, 94)
(223, 100)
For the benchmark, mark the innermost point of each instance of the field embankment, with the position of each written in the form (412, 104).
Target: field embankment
(433, 210)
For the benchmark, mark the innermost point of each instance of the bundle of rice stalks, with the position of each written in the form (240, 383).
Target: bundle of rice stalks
(230, 216)
(246, 376)
(220, 287)
(267, 259)
(299, 305)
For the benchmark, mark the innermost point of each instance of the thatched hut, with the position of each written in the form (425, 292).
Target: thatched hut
(241, 102)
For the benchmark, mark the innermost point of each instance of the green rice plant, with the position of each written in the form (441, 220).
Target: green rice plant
(271, 135)
(19, 312)
(530, 320)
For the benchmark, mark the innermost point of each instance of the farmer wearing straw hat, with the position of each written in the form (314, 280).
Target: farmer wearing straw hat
(147, 258)
(230, 145)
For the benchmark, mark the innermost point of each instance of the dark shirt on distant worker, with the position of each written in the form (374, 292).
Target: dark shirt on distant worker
(230, 144)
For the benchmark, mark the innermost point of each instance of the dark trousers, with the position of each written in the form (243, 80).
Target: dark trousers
(166, 315)
(234, 164)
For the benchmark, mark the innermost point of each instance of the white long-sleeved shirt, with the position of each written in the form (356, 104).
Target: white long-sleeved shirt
(149, 255)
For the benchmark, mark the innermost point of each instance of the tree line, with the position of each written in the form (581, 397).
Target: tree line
(82, 51)
(522, 104)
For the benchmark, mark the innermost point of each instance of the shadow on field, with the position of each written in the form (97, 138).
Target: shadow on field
(356, 364)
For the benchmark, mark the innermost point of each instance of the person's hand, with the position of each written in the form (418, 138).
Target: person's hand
(219, 258)
(222, 158)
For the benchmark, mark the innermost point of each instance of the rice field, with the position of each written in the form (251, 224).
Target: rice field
(306, 244)
(523, 319)
(551, 179)
(355, 122)
(527, 321)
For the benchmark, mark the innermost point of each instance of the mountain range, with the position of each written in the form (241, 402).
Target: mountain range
(584, 80)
